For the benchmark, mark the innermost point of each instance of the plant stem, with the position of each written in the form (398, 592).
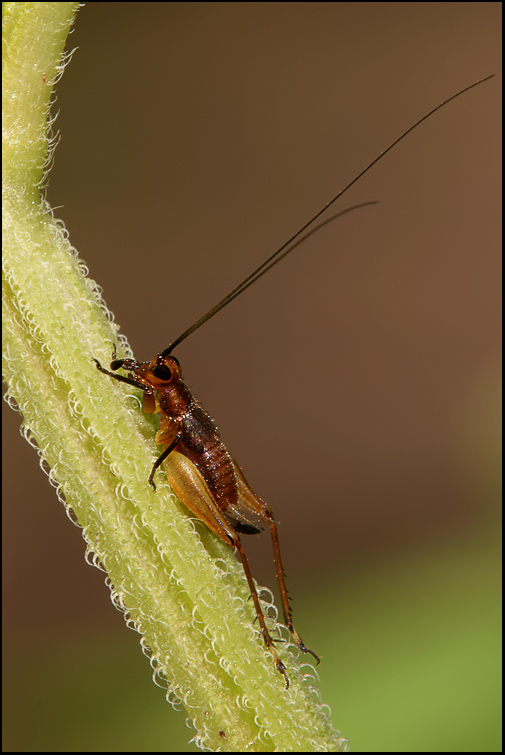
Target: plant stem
(176, 583)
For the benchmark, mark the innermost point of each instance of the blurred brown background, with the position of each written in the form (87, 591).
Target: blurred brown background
(357, 383)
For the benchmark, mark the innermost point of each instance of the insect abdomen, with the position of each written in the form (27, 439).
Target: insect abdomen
(202, 444)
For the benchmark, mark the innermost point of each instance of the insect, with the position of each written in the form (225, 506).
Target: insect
(199, 467)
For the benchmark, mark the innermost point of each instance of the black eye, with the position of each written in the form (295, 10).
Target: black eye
(162, 372)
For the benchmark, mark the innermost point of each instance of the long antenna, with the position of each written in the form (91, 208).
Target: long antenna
(262, 268)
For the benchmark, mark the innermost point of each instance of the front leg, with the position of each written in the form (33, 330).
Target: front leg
(121, 378)
(159, 461)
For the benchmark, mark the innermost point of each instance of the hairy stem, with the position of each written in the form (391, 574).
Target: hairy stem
(178, 585)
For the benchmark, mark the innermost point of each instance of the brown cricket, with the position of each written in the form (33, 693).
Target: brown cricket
(199, 467)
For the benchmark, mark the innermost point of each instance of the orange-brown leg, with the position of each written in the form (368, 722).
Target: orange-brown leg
(286, 608)
(259, 613)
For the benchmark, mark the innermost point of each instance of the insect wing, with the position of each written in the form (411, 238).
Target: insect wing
(189, 485)
(248, 501)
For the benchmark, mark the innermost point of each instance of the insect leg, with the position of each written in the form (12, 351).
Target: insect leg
(121, 378)
(286, 608)
(168, 450)
(250, 500)
(190, 485)
(259, 613)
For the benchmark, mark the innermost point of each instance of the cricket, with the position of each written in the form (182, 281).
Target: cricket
(198, 465)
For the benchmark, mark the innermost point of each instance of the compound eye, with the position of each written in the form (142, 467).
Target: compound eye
(162, 372)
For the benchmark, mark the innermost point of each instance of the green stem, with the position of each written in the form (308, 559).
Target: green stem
(178, 585)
